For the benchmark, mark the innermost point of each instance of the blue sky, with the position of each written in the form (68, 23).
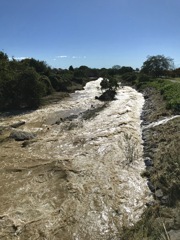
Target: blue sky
(95, 33)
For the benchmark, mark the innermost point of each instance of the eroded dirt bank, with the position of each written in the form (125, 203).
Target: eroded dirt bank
(79, 178)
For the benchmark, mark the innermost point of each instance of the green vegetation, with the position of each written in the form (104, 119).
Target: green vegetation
(168, 88)
(109, 83)
(129, 77)
(108, 87)
(161, 218)
(170, 92)
(23, 84)
(156, 66)
(157, 73)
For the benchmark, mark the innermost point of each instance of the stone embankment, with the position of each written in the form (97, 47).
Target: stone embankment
(161, 137)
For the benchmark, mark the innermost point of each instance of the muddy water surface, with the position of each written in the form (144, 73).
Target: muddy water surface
(80, 177)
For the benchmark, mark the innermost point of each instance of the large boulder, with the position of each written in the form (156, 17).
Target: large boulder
(22, 135)
(108, 95)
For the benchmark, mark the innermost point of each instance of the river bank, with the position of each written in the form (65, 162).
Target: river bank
(162, 159)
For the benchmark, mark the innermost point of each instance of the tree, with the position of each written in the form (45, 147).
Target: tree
(157, 66)
(116, 67)
(30, 89)
(46, 83)
(129, 77)
(3, 56)
(71, 68)
(176, 72)
(104, 84)
(4, 63)
(110, 84)
(125, 69)
(40, 66)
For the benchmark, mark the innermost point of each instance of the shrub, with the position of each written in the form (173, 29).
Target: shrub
(30, 89)
(143, 78)
(48, 89)
(170, 92)
(130, 77)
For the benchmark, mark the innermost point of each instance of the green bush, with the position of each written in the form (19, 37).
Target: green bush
(170, 92)
(30, 89)
(109, 83)
(48, 89)
(129, 77)
(21, 90)
(143, 78)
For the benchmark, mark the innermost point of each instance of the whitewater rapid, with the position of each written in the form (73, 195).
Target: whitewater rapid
(80, 178)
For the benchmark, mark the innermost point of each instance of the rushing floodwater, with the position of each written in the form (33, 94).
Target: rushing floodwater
(78, 179)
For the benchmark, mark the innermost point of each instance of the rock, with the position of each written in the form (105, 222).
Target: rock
(148, 162)
(149, 171)
(18, 124)
(151, 186)
(165, 200)
(174, 234)
(21, 135)
(158, 193)
(151, 204)
(146, 96)
(107, 95)
(149, 154)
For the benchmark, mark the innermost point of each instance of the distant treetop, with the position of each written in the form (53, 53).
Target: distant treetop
(156, 66)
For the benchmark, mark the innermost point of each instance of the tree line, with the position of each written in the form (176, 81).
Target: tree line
(24, 83)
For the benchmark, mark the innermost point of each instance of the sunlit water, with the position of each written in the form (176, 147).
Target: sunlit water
(79, 179)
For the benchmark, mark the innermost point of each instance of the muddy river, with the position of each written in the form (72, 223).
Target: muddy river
(79, 178)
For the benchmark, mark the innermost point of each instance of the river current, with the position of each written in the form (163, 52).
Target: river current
(80, 178)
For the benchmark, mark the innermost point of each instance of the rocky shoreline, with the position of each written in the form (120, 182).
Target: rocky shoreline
(161, 220)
